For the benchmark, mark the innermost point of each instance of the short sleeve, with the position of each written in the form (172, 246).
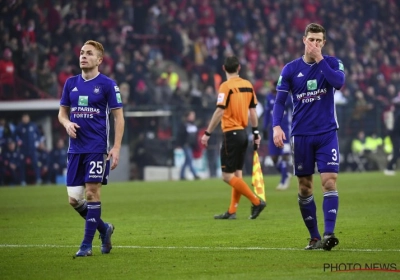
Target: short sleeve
(65, 100)
(114, 96)
(223, 93)
(284, 80)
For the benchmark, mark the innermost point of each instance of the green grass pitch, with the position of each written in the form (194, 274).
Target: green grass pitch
(166, 230)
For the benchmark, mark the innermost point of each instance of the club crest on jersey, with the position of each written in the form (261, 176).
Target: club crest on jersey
(311, 84)
(83, 100)
(97, 90)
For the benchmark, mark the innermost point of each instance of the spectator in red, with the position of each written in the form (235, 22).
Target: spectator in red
(207, 16)
(28, 33)
(7, 70)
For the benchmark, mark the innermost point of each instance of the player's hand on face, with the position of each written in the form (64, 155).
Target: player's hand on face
(204, 140)
(312, 50)
(279, 136)
(71, 129)
(114, 154)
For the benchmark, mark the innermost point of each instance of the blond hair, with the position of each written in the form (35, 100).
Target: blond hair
(98, 46)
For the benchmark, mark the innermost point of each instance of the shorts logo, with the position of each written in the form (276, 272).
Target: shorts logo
(119, 100)
(332, 163)
(279, 81)
(311, 84)
(221, 97)
(83, 100)
(300, 166)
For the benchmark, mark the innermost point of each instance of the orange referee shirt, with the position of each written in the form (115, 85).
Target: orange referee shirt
(236, 96)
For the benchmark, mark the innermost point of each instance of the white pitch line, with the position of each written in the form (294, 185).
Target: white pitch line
(192, 248)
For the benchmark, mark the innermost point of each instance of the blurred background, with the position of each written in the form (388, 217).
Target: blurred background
(166, 57)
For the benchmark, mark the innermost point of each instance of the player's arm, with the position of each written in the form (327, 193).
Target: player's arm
(253, 117)
(119, 125)
(64, 111)
(277, 115)
(63, 118)
(218, 113)
(283, 89)
(254, 127)
(215, 120)
(334, 75)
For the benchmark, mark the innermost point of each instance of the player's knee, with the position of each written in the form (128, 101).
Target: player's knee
(329, 185)
(73, 202)
(90, 195)
(329, 182)
(305, 185)
(75, 194)
(227, 177)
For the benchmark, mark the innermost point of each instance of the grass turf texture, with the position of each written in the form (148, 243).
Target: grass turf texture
(166, 230)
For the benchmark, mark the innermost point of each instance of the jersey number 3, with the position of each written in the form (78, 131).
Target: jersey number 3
(334, 157)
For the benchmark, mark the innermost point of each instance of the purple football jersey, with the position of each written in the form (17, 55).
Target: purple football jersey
(313, 104)
(90, 103)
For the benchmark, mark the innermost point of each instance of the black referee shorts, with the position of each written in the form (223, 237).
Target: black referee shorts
(233, 150)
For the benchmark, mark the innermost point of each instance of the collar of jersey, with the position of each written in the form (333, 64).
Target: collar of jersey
(309, 64)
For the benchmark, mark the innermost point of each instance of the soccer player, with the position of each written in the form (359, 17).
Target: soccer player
(236, 99)
(85, 105)
(312, 80)
(280, 157)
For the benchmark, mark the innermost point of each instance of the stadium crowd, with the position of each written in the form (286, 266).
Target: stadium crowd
(168, 54)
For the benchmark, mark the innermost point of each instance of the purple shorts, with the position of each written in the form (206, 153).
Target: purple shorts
(87, 168)
(322, 149)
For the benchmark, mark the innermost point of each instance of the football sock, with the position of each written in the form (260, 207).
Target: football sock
(330, 206)
(278, 165)
(240, 186)
(82, 209)
(92, 220)
(283, 170)
(235, 198)
(308, 211)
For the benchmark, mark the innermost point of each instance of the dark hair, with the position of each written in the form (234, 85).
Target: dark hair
(314, 28)
(231, 64)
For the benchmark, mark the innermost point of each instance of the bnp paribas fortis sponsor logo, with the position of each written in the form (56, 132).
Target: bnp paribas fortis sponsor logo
(311, 84)
(83, 100)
